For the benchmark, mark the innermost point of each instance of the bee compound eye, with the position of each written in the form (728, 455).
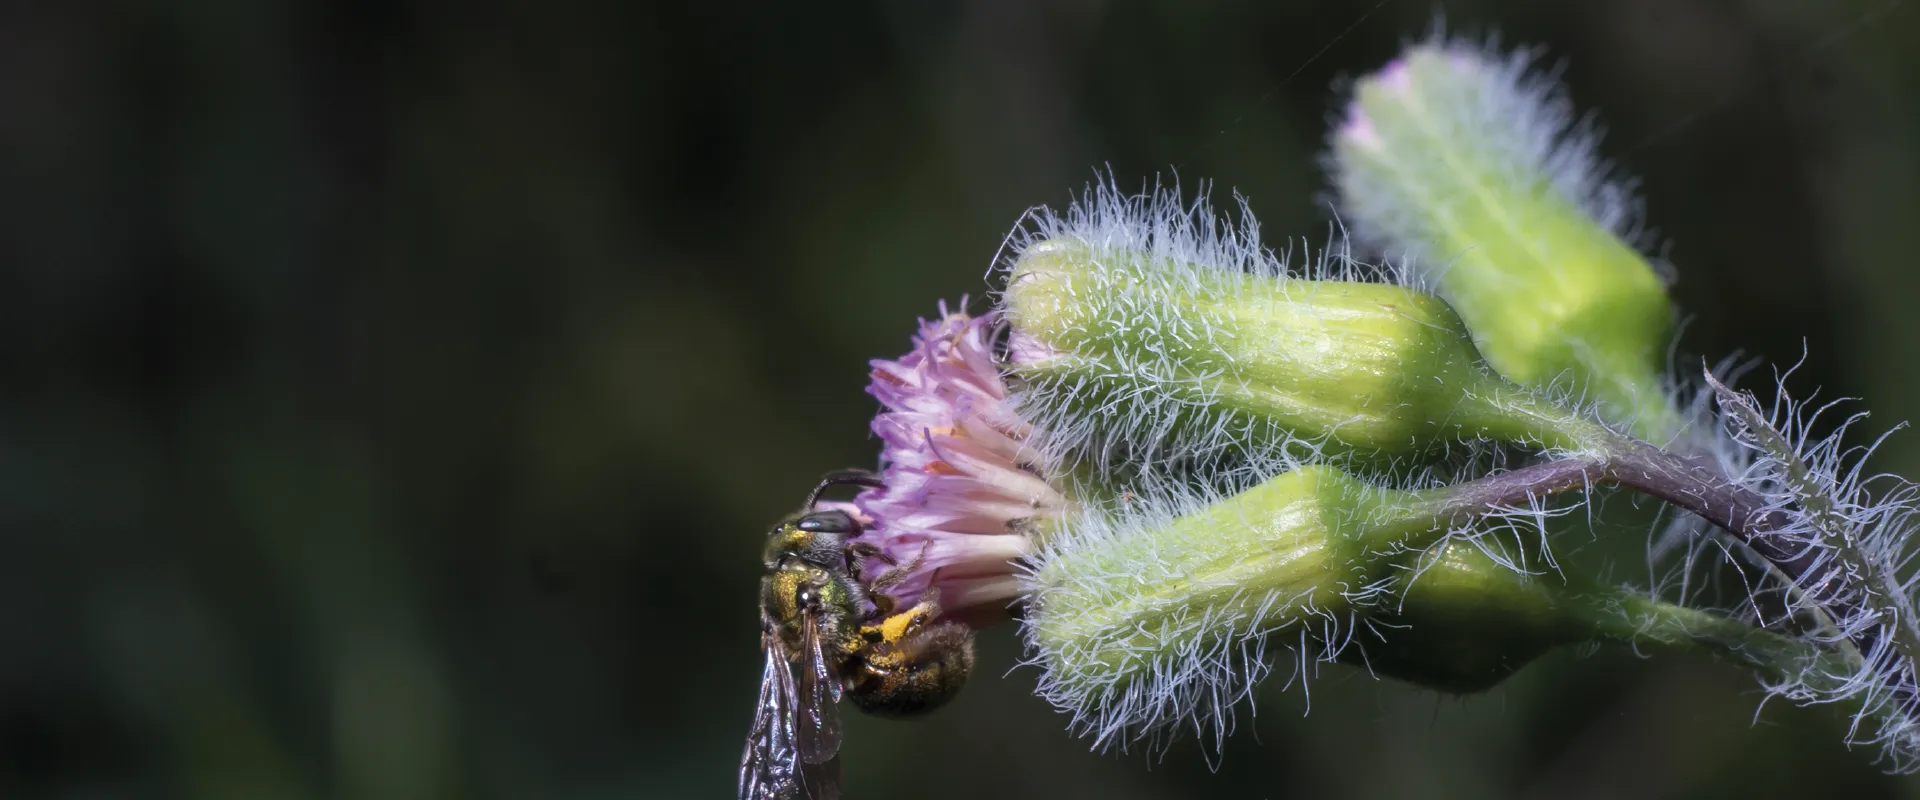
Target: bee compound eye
(828, 522)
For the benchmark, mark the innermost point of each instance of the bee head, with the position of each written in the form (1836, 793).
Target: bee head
(818, 538)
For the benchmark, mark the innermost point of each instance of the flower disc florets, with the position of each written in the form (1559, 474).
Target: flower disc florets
(959, 492)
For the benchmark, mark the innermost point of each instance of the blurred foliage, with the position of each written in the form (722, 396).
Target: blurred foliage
(396, 393)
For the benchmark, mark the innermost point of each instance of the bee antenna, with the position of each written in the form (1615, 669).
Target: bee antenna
(844, 477)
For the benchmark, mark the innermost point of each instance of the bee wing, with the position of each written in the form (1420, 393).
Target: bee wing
(818, 736)
(821, 781)
(768, 768)
(772, 767)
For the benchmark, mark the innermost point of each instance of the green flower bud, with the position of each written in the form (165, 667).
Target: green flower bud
(1480, 171)
(1141, 334)
(1157, 612)
(1160, 611)
(1467, 622)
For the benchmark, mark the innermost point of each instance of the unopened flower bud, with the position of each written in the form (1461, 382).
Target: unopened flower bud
(1159, 611)
(1462, 622)
(1479, 170)
(1141, 332)
(1156, 614)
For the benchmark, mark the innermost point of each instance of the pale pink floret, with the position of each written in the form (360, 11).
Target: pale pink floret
(1396, 76)
(1358, 129)
(957, 487)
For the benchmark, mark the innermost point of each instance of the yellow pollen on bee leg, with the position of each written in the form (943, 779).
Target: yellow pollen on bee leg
(896, 627)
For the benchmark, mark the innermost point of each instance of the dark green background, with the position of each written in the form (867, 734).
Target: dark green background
(395, 394)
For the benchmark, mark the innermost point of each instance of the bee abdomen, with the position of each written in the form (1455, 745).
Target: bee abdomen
(914, 675)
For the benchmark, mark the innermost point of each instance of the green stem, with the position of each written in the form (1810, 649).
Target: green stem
(1641, 622)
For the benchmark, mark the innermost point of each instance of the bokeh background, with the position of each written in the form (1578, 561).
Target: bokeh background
(396, 393)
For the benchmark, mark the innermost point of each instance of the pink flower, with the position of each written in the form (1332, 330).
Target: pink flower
(958, 486)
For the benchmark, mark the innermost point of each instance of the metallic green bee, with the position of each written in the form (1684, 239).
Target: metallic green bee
(822, 643)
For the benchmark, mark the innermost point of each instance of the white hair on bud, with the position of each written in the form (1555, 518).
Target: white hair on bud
(1139, 406)
(1853, 528)
(1160, 224)
(1511, 118)
(1126, 684)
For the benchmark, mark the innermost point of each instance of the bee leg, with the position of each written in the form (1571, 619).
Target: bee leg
(930, 599)
(859, 552)
(889, 623)
(898, 573)
(894, 627)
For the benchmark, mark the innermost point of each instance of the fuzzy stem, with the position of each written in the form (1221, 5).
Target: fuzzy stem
(1638, 621)
(1421, 519)
(1608, 614)
(1599, 455)
(1821, 584)
(1611, 458)
(1684, 483)
(1857, 570)
(1636, 465)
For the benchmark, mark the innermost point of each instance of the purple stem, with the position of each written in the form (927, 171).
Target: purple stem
(1651, 471)
(1681, 482)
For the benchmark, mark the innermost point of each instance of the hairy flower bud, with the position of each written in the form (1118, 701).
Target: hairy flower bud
(1155, 613)
(1462, 622)
(1160, 611)
(1478, 169)
(1143, 332)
